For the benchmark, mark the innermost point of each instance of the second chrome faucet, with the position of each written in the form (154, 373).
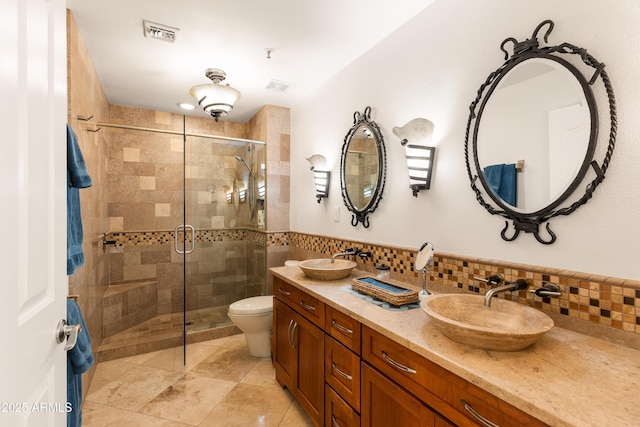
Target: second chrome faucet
(518, 285)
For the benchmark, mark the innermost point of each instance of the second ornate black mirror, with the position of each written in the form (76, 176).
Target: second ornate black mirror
(532, 134)
(362, 168)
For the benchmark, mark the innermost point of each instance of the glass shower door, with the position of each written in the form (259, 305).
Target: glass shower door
(221, 206)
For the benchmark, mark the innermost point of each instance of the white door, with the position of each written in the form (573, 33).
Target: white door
(33, 288)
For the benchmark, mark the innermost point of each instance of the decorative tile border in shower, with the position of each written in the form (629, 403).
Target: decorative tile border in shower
(604, 300)
(138, 238)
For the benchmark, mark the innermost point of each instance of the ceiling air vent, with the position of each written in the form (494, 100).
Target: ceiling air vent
(160, 32)
(278, 85)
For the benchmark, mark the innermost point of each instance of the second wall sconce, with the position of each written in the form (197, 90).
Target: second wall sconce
(415, 137)
(321, 175)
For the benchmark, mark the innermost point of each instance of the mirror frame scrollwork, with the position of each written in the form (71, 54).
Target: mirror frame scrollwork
(522, 51)
(362, 215)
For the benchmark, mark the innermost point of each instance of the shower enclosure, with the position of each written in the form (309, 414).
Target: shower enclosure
(190, 208)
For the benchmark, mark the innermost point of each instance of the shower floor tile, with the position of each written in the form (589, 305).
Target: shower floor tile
(166, 330)
(158, 389)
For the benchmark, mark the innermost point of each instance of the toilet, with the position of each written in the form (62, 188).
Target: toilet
(254, 317)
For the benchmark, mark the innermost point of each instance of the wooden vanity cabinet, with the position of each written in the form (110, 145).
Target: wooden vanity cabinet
(299, 347)
(456, 399)
(346, 374)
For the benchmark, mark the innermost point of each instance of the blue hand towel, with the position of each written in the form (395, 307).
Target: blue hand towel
(79, 360)
(502, 180)
(77, 177)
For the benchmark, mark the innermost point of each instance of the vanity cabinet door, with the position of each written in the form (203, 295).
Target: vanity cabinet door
(309, 345)
(299, 358)
(385, 404)
(283, 352)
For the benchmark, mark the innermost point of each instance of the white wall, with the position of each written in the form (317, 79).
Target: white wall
(432, 67)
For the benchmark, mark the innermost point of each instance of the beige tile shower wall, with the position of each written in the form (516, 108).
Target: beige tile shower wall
(605, 301)
(272, 125)
(86, 98)
(227, 265)
(146, 172)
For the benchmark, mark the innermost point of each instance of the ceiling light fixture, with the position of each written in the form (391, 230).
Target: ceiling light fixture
(186, 106)
(216, 99)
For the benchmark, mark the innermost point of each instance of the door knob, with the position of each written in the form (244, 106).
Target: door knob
(68, 332)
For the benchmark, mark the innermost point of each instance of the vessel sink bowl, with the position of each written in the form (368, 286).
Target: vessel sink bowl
(324, 269)
(505, 326)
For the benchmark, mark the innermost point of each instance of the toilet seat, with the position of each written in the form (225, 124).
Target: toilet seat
(252, 306)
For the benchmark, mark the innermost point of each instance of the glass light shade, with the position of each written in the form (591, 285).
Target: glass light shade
(216, 99)
(420, 165)
(321, 179)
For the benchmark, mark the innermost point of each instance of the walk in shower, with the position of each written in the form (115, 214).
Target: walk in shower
(186, 213)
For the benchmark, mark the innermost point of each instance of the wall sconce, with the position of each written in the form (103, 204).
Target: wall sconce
(415, 137)
(228, 193)
(321, 175)
(262, 190)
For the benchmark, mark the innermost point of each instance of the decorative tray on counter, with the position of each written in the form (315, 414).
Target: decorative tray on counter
(393, 294)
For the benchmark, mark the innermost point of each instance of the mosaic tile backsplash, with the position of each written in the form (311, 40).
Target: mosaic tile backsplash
(607, 301)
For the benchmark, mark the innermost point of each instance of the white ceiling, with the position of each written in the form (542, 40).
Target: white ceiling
(312, 40)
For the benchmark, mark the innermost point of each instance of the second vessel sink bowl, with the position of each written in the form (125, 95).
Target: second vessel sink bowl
(324, 269)
(505, 326)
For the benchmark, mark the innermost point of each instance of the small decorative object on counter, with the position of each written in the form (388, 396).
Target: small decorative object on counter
(383, 272)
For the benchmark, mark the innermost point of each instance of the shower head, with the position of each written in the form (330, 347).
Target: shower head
(240, 159)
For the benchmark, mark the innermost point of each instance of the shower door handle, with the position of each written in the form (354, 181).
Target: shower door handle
(193, 238)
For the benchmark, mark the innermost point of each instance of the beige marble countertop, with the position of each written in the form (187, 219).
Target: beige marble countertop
(565, 379)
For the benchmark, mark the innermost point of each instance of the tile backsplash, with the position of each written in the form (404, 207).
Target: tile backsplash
(607, 301)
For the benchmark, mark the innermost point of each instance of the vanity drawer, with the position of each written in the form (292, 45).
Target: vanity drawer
(343, 328)
(310, 307)
(450, 395)
(337, 412)
(342, 371)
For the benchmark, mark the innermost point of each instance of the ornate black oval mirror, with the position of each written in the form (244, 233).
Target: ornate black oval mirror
(533, 129)
(362, 167)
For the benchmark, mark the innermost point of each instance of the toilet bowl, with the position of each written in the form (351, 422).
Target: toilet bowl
(254, 317)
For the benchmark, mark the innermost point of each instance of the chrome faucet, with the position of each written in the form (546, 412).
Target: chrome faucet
(507, 287)
(345, 253)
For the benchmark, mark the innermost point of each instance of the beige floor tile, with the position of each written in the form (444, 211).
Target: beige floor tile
(263, 374)
(249, 405)
(173, 358)
(295, 417)
(165, 393)
(140, 420)
(232, 341)
(189, 399)
(96, 415)
(134, 389)
(227, 364)
(107, 372)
